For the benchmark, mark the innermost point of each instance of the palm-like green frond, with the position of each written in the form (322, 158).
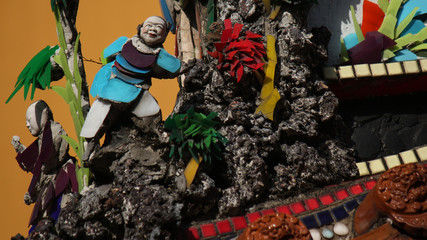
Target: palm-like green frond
(37, 72)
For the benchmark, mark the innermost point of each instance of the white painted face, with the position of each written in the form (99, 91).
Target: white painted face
(154, 31)
(32, 124)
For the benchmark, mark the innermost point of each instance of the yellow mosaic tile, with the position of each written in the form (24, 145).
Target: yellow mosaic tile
(363, 168)
(330, 73)
(394, 68)
(423, 64)
(411, 67)
(422, 153)
(378, 69)
(346, 72)
(392, 161)
(408, 156)
(376, 166)
(362, 70)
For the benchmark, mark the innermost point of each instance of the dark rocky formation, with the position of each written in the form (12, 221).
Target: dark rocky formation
(138, 193)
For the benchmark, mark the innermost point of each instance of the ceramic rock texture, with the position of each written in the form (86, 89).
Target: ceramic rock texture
(138, 189)
(306, 144)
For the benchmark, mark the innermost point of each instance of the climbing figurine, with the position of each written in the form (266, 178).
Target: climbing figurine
(122, 84)
(48, 160)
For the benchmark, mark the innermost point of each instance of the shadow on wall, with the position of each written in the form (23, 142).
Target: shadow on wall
(336, 16)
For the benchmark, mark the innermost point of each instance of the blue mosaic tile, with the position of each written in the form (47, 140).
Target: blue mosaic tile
(361, 197)
(325, 218)
(310, 222)
(350, 205)
(339, 213)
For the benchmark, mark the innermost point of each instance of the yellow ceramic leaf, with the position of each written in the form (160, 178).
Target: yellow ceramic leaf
(275, 11)
(271, 48)
(267, 6)
(190, 170)
(267, 106)
(268, 85)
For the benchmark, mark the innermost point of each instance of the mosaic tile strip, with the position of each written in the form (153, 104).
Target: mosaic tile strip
(375, 70)
(323, 210)
(383, 164)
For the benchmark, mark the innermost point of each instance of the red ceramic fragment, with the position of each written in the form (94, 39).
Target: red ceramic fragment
(326, 199)
(71, 169)
(284, 209)
(342, 194)
(312, 203)
(239, 223)
(370, 184)
(61, 182)
(208, 230)
(356, 189)
(27, 158)
(297, 207)
(192, 234)
(373, 17)
(268, 211)
(252, 217)
(224, 227)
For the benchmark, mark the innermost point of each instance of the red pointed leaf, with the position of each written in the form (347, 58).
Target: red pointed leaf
(239, 73)
(236, 31)
(213, 54)
(226, 35)
(234, 64)
(219, 46)
(227, 24)
(250, 34)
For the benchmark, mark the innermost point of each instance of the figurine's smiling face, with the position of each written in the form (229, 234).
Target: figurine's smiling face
(153, 31)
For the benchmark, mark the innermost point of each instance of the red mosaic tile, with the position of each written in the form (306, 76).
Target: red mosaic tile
(326, 199)
(356, 189)
(370, 184)
(192, 234)
(297, 207)
(268, 211)
(312, 203)
(208, 230)
(341, 194)
(224, 226)
(239, 223)
(284, 209)
(252, 217)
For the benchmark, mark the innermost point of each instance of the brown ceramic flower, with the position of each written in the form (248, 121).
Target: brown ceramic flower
(277, 226)
(401, 195)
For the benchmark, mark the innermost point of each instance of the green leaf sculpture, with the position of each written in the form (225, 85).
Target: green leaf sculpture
(193, 134)
(36, 73)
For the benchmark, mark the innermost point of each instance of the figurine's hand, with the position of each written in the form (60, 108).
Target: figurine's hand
(17, 144)
(27, 198)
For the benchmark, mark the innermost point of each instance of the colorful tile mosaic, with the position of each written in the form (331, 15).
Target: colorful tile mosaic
(315, 212)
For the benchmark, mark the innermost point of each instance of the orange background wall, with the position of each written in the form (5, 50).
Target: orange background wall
(27, 27)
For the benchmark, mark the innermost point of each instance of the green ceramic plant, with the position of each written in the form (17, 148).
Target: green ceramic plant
(193, 134)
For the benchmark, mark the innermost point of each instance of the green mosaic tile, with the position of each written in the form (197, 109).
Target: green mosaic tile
(330, 73)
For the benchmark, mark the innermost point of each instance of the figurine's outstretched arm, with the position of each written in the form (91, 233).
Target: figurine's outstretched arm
(19, 147)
